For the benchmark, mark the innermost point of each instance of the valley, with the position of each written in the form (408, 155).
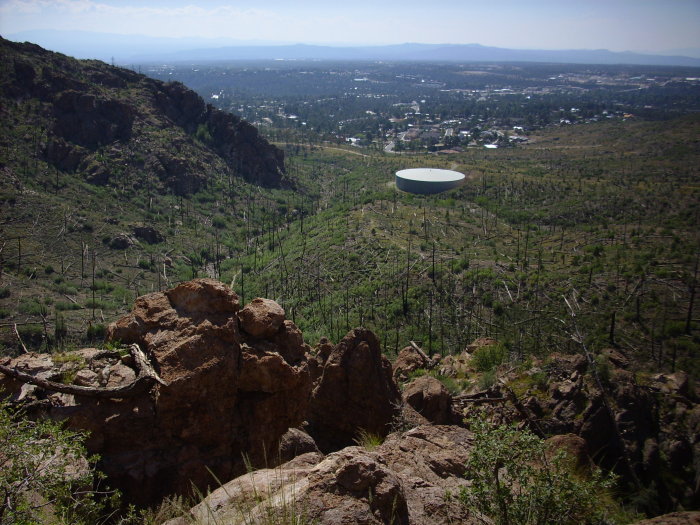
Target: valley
(580, 240)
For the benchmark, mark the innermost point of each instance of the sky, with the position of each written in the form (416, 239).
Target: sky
(618, 25)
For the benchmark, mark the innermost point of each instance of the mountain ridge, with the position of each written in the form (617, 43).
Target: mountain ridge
(98, 120)
(127, 49)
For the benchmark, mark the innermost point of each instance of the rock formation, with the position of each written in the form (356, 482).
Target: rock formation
(645, 427)
(227, 387)
(428, 396)
(354, 392)
(228, 395)
(403, 481)
(409, 360)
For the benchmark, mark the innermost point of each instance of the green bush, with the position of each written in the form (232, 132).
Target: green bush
(39, 480)
(96, 332)
(487, 380)
(489, 357)
(513, 482)
(368, 440)
(66, 305)
(31, 334)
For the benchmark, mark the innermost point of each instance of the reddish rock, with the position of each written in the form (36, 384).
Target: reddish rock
(675, 518)
(409, 360)
(323, 350)
(676, 383)
(616, 357)
(480, 343)
(403, 481)
(317, 358)
(261, 317)
(227, 395)
(429, 397)
(355, 392)
(296, 442)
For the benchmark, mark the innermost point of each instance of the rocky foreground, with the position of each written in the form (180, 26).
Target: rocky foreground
(229, 389)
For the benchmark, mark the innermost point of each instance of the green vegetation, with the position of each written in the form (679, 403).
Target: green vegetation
(487, 358)
(514, 481)
(44, 477)
(368, 440)
(534, 228)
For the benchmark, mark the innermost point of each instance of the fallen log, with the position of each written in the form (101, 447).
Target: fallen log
(146, 378)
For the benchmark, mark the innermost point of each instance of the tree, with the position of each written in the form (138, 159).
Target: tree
(514, 482)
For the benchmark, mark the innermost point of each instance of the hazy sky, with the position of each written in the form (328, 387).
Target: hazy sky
(618, 25)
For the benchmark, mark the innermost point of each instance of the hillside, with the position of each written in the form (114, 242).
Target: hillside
(577, 254)
(112, 125)
(96, 160)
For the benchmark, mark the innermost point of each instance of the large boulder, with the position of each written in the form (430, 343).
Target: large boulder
(404, 481)
(228, 398)
(296, 442)
(429, 397)
(409, 360)
(148, 234)
(262, 317)
(355, 392)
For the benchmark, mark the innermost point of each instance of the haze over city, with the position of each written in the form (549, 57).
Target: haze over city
(668, 27)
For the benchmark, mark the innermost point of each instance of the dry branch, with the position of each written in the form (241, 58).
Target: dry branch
(19, 338)
(146, 378)
(418, 349)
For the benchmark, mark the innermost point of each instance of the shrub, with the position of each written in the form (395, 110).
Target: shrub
(487, 380)
(96, 332)
(513, 482)
(41, 476)
(65, 305)
(368, 440)
(489, 357)
(60, 329)
(31, 334)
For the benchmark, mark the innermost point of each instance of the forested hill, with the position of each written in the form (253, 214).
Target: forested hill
(115, 127)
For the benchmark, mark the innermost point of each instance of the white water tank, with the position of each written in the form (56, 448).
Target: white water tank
(428, 180)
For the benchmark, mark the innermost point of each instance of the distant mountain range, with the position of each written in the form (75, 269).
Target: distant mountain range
(130, 49)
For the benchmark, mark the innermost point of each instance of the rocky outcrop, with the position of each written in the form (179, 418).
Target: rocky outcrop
(122, 241)
(91, 121)
(234, 139)
(148, 234)
(645, 427)
(404, 481)
(296, 442)
(228, 398)
(429, 397)
(354, 392)
(408, 361)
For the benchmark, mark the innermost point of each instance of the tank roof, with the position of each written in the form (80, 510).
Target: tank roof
(430, 175)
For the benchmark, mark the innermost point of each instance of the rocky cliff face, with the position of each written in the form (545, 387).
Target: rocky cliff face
(103, 121)
(355, 391)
